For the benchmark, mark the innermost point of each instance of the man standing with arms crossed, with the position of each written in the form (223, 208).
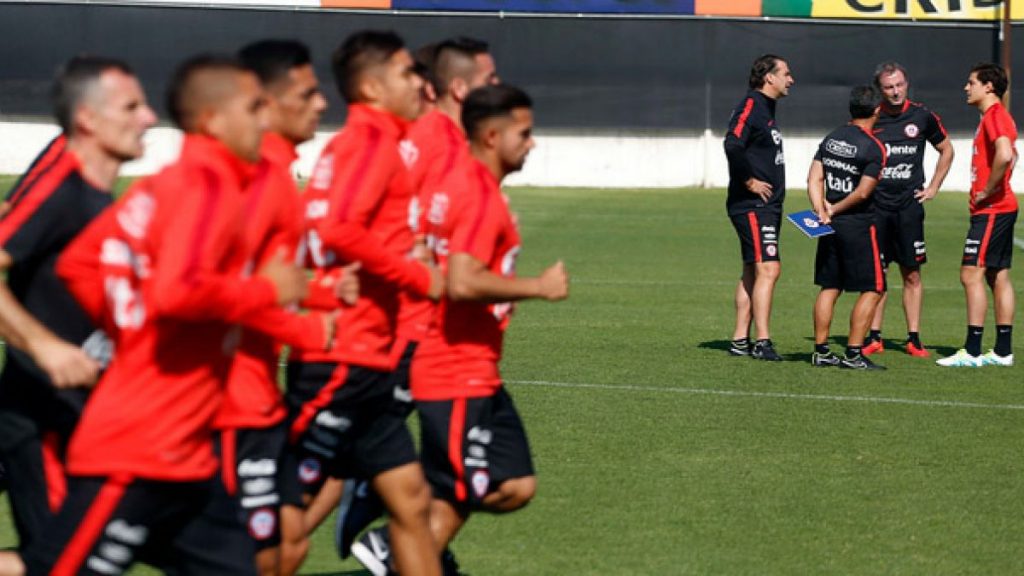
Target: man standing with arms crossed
(988, 249)
(757, 188)
(103, 114)
(904, 127)
(842, 178)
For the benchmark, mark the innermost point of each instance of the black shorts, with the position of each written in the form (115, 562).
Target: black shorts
(109, 524)
(471, 445)
(255, 478)
(758, 231)
(850, 259)
(344, 423)
(901, 235)
(989, 241)
(35, 480)
(400, 381)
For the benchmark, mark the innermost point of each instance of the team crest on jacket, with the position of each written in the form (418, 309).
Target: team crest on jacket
(911, 130)
(409, 152)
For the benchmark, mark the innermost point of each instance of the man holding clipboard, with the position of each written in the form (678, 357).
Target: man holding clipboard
(842, 178)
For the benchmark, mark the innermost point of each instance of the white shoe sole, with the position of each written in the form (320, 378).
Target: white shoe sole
(369, 560)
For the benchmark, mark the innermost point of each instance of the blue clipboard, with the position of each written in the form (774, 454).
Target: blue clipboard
(808, 223)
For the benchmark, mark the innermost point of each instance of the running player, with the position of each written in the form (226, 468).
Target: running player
(904, 127)
(103, 114)
(474, 447)
(164, 272)
(436, 141)
(843, 176)
(357, 203)
(757, 188)
(988, 249)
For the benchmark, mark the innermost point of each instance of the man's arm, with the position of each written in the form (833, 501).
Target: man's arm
(816, 191)
(67, 365)
(942, 165)
(864, 189)
(470, 280)
(1001, 162)
(736, 142)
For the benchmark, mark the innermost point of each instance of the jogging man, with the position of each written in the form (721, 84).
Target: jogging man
(843, 176)
(904, 127)
(357, 205)
(474, 446)
(988, 249)
(757, 188)
(103, 114)
(164, 271)
(460, 65)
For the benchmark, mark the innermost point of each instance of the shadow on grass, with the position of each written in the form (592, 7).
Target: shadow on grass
(722, 345)
(345, 573)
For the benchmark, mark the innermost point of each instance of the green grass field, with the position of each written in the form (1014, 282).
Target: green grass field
(658, 453)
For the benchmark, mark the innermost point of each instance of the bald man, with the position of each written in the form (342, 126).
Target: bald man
(165, 273)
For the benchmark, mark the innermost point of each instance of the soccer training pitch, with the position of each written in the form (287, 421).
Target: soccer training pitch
(657, 453)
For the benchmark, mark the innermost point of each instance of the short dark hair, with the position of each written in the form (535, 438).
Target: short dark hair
(864, 100)
(360, 51)
(183, 88)
(450, 54)
(73, 82)
(273, 59)
(423, 63)
(994, 73)
(887, 68)
(761, 67)
(489, 102)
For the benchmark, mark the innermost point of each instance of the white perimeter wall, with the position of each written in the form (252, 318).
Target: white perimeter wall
(626, 160)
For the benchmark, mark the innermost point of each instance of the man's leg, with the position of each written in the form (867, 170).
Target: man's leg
(766, 276)
(744, 313)
(823, 307)
(294, 539)
(406, 495)
(860, 318)
(973, 280)
(1005, 305)
(913, 296)
(445, 522)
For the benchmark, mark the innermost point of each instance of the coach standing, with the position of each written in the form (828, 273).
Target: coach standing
(904, 127)
(757, 188)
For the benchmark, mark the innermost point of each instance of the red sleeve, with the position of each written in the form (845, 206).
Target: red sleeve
(80, 270)
(195, 234)
(356, 192)
(474, 228)
(303, 332)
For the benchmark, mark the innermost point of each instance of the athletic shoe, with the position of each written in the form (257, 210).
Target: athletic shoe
(763, 350)
(359, 506)
(826, 359)
(859, 362)
(917, 351)
(960, 360)
(873, 347)
(990, 358)
(373, 551)
(739, 348)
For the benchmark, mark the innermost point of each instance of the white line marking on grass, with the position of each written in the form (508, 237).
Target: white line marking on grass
(1018, 242)
(782, 395)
